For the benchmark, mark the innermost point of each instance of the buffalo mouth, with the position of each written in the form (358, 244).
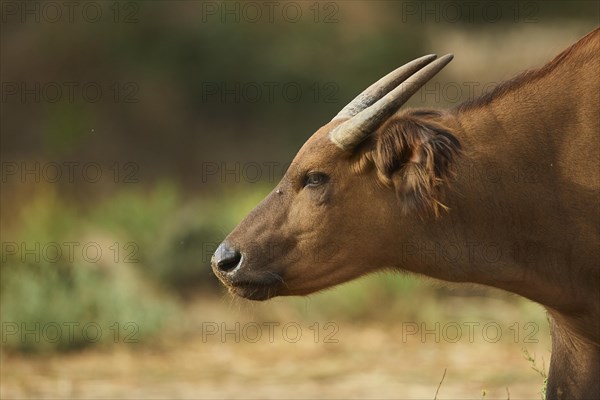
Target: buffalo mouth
(254, 290)
(261, 287)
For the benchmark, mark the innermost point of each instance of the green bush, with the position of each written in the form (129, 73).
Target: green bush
(154, 247)
(54, 296)
(47, 308)
(176, 237)
(180, 256)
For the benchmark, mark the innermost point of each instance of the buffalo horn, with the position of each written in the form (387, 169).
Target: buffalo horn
(377, 103)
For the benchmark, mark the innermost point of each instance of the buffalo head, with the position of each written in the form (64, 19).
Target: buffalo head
(359, 183)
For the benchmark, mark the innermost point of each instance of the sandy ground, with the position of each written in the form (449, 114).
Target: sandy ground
(351, 359)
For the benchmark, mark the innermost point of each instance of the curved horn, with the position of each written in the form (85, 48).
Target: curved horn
(383, 86)
(353, 131)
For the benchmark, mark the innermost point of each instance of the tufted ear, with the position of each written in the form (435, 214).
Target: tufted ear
(416, 154)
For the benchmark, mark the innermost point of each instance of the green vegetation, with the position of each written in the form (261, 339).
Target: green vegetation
(62, 269)
(139, 256)
(540, 370)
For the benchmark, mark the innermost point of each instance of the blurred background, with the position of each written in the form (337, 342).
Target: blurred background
(136, 135)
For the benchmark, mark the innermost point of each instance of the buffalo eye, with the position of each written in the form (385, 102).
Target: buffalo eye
(314, 179)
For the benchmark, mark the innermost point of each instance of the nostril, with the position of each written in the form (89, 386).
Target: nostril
(230, 262)
(227, 258)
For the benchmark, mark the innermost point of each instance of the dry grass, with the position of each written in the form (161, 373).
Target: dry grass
(370, 360)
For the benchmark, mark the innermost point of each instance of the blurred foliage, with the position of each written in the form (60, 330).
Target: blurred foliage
(154, 250)
(158, 72)
(51, 279)
(173, 239)
(157, 111)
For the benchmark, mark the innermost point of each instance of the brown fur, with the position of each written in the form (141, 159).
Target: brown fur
(417, 155)
(586, 44)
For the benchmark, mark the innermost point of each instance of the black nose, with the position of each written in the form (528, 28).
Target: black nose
(226, 258)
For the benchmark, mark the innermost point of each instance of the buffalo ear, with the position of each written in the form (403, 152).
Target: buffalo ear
(416, 155)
